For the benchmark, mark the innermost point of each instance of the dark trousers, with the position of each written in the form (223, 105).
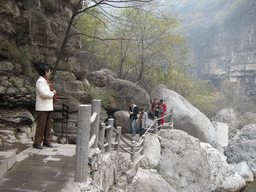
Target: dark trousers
(141, 130)
(43, 130)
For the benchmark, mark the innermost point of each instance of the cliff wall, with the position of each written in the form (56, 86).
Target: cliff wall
(31, 33)
(224, 45)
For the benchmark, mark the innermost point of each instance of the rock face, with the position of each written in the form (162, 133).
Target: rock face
(183, 162)
(222, 40)
(122, 118)
(187, 117)
(189, 165)
(244, 170)
(242, 147)
(226, 115)
(223, 177)
(152, 144)
(31, 33)
(149, 180)
(101, 78)
(125, 91)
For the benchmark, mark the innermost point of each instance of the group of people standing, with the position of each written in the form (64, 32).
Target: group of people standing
(157, 110)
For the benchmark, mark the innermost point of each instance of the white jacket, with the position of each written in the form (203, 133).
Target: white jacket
(44, 96)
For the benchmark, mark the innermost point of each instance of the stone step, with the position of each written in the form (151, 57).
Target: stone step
(7, 160)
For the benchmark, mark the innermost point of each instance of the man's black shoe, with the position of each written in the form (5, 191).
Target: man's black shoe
(37, 146)
(47, 145)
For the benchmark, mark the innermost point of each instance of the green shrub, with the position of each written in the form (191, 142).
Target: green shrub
(102, 94)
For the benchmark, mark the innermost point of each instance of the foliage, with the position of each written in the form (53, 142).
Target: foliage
(237, 97)
(19, 55)
(147, 48)
(146, 41)
(105, 96)
(205, 97)
(245, 120)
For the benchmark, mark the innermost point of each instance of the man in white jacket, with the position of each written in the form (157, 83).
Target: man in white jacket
(44, 107)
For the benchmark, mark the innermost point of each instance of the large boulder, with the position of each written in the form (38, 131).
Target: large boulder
(149, 180)
(226, 115)
(244, 170)
(189, 165)
(125, 91)
(122, 118)
(151, 143)
(186, 117)
(242, 147)
(101, 78)
(223, 176)
(230, 117)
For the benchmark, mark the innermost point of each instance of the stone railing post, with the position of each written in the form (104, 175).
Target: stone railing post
(142, 145)
(109, 134)
(82, 143)
(155, 126)
(133, 151)
(95, 125)
(118, 138)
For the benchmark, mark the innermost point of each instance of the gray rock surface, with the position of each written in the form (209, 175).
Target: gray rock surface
(152, 151)
(125, 91)
(186, 116)
(189, 165)
(149, 180)
(183, 162)
(244, 170)
(223, 176)
(242, 147)
(100, 78)
(122, 118)
(6, 66)
(226, 115)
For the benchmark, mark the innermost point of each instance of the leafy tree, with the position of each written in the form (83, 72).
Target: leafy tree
(83, 6)
(147, 41)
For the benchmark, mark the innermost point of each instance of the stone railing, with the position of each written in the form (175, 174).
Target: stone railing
(93, 134)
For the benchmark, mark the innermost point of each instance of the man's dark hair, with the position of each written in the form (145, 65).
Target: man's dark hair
(42, 69)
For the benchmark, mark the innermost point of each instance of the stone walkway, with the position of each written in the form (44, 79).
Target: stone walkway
(47, 170)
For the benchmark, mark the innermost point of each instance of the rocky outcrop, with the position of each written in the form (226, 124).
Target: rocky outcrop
(122, 91)
(244, 170)
(122, 118)
(101, 78)
(152, 151)
(125, 91)
(39, 27)
(149, 180)
(186, 116)
(222, 40)
(226, 115)
(189, 165)
(223, 176)
(242, 147)
(32, 33)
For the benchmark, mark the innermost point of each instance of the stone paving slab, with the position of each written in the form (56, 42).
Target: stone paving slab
(7, 159)
(47, 170)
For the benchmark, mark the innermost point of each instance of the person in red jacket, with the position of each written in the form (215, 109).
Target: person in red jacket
(153, 106)
(164, 110)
